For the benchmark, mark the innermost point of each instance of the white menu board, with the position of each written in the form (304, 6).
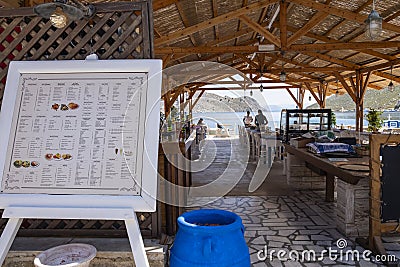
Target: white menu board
(77, 133)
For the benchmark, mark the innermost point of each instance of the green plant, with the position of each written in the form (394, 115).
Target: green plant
(374, 120)
(333, 120)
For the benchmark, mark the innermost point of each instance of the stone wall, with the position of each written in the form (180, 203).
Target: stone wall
(353, 208)
(301, 177)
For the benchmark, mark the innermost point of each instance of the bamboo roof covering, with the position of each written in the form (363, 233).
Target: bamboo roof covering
(319, 43)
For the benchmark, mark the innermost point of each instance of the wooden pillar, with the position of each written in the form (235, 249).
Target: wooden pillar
(360, 89)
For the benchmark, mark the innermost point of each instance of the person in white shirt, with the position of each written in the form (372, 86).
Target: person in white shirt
(247, 120)
(201, 130)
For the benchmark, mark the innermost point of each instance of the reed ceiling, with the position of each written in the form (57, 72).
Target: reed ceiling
(316, 42)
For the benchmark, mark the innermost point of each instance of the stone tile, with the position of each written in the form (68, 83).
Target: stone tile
(286, 232)
(302, 237)
(274, 244)
(279, 239)
(259, 241)
(321, 238)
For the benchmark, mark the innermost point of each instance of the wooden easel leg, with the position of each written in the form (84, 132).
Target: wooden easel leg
(8, 236)
(136, 241)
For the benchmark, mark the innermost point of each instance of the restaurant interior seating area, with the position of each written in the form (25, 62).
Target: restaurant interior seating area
(298, 182)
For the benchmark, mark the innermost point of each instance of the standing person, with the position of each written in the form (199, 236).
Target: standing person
(247, 120)
(261, 120)
(201, 130)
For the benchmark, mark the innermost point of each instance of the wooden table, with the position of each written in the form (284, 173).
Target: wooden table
(330, 169)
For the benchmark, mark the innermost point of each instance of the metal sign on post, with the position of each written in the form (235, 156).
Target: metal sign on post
(80, 141)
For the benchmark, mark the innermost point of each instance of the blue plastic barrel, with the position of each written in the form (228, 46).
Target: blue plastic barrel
(210, 238)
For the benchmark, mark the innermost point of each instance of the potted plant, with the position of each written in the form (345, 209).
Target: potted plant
(374, 120)
(333, 120)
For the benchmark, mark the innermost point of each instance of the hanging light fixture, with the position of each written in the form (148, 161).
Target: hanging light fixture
(282, 75)
(251, 92)
(374, 24)
(391, 85)
(337, 89)
(261, 88)
(60, 12)
(309, 98)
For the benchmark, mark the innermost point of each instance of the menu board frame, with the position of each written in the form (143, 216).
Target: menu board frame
(146, 201)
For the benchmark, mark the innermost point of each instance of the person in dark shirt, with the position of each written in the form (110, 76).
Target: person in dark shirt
(261, 120)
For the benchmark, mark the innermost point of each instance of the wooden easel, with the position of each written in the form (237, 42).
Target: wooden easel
(16, 214)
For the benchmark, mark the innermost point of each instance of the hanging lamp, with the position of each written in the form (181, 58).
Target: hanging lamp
(374, 24)
(391, 85)
(60, 12)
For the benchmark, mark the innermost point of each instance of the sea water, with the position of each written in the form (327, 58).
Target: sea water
(231, 120)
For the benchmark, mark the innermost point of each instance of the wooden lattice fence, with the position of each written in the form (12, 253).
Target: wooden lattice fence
(117, 31)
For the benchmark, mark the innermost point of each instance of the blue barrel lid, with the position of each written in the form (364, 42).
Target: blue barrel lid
(210, 220)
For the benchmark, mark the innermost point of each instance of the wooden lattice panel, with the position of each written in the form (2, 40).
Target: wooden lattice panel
(116, 31)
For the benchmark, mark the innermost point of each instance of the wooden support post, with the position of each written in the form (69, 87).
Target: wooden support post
(330, 188)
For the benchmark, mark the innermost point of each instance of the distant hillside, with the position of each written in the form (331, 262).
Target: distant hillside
(210, 102)
(376, 99)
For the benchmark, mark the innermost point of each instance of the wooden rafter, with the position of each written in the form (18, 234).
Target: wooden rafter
(343, 21)
(215, 14)
(344, 46)
(211, 22)
(185, 20)
(332, 59)
(301, 70)
(387, 76)
(317, 18)
(330, 40)
(343, 13)
(247, 60)
(261, 30)
(283, 23)
(349, 90)
(9, 3)
(198, 98)
(244, 3)
(158, 4)
(293, 97)
(313, 94)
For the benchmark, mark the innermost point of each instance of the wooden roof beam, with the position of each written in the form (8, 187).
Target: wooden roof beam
(212, 22)
(346, 86)
(261, 30)
(317, 18)
(346, 14)
(386, 76)
(313, 94)
(283, 23)
(358, 10)
(331, 59)
(343, 46)
(158, 4)
(247, 60)
(239, 27)
(215, 14)
(331, 40)
(293, 97)
(301, 70)
(9, 3)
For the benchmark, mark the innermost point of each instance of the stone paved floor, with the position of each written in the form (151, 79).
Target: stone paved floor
(299, 222)
(276, 217)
